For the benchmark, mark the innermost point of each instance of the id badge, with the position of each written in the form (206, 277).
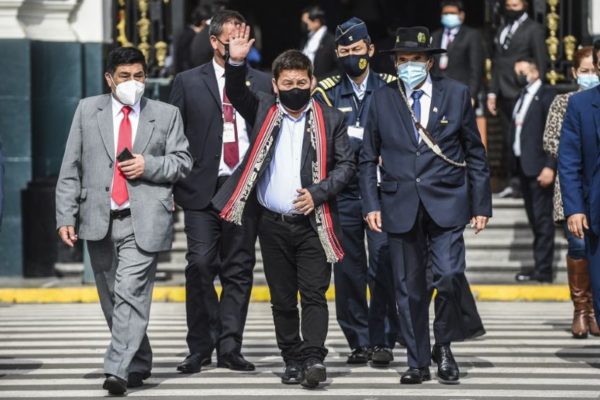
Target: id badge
(443, 64)
(228, 132)
(356, 132)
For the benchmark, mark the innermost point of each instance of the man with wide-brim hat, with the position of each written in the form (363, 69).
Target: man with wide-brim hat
(435, 181)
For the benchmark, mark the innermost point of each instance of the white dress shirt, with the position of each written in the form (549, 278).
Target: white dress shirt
(359, 90)
(277, 188)
(134, 118)
(243, 142)
(425, 100)
(313, 42)
(519, 117)
(512, 28)
(449, 33)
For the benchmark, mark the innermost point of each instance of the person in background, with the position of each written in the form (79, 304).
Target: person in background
(578, 158)
(372, 331)
(584, 320)
(519, 38)
(123, 155)
(319, 44)
(200, 49)
(463, 60)
(535, 168)
(425, 199)
(219, 137)
(182, 44)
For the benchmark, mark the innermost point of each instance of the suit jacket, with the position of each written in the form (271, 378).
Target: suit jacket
(325, 62)
(578, 157)
(465, 58)
(340, 159)
(527, 42)
(533, 157)
(412, 173)
(196, 93)
(83, 190)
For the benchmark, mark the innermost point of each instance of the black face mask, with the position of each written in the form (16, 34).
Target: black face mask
(522, 81)
(355, 64)
(294, 99)
(226, 46)
(513, 15)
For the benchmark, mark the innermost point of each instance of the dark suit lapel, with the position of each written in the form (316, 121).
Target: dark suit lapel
(596, 113)
(534, 103)
(438, 95)
(105, 124)
(405, 116)
(145, 127)
(306, 147)
(210, 80)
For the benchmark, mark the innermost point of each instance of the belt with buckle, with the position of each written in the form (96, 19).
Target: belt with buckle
(289, 218)
(120, 214)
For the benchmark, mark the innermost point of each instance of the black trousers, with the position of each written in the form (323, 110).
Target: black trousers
(539, 206)
(506, 107)
(364, 324)
(456, 316)
(218, 248)
(294, 261)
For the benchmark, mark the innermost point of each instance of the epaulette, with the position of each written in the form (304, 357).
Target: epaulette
(330, 82)
(387, 78)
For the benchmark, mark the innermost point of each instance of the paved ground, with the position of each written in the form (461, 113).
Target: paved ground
(55, 351)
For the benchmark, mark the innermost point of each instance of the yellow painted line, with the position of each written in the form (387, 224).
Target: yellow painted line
(88, 294)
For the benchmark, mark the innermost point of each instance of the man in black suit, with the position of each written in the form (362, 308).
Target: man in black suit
(434, 180)
(319, 45)
(463, 60)
(219, 139)
(534, 167)
(520, 37)
(300, 159)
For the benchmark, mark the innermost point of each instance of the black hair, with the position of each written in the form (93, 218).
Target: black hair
(453, 3)
(315, 13)
(200, 13)
(291, 60)
(221, 18)
(124, 55)
(595, 52)
(528, 60)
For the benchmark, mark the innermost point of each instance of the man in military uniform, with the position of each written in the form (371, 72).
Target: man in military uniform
(421, 133)
(373, 328)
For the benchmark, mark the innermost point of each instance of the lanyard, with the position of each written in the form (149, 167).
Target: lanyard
(358, 105)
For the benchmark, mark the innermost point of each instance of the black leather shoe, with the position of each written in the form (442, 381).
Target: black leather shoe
(314, 373)
(235, 362)
(115, 385)
(359, 356)
(293, 373)
(414, 376)
(136, 379)
(193, 363)
(382, 356)
(447, 371)
(531, 277)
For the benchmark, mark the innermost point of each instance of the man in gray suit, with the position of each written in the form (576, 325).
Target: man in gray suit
(123, 155)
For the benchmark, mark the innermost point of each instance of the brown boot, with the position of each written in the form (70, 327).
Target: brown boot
(594, 329)
(579, 286)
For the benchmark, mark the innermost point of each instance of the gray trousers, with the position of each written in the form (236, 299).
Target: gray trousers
(124, 276)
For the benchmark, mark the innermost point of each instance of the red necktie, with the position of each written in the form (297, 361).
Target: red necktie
(231, 154)
(119, 190)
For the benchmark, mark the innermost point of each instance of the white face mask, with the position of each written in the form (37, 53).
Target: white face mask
(129, 92)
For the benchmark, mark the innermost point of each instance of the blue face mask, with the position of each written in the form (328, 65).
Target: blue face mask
(412, 73)
(587, 81)
(450, 21)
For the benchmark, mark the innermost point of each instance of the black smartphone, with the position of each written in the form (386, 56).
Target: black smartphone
(124, 155)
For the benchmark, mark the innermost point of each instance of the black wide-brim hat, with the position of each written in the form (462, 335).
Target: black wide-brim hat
(415, 39)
